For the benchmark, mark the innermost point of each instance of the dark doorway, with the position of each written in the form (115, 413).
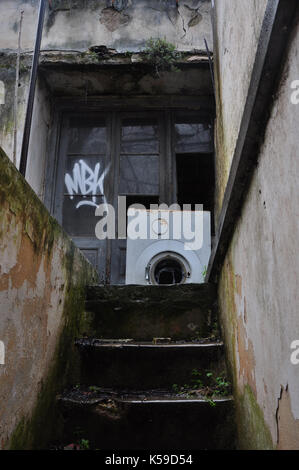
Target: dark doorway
(195, 180)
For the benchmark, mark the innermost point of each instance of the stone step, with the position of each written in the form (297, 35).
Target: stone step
(144, 312)
(146, 365)
(147, 420)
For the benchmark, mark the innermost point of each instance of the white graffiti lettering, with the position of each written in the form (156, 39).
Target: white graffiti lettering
(85, 181)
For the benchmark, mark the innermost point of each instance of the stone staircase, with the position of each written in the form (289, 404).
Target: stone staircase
(152, 375)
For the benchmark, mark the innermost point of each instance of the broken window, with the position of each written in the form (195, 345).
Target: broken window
(192, 138)
(194, 163)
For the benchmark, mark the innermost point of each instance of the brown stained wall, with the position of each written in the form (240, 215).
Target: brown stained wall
(42, 291)
(259, 282)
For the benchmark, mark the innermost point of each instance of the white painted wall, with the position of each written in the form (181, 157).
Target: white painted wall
(259, 282)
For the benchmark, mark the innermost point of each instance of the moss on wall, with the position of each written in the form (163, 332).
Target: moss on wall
(36, 431)
(253, 432)
(8, 77)
(45, 239)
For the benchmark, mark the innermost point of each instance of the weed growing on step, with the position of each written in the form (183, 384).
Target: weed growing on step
(84, 444)
(213, 336)
(94, 388)
(204, 384)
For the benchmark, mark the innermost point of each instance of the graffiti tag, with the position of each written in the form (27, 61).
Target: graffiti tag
(85, 181)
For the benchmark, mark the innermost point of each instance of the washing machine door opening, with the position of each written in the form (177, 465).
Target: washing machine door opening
(168, 269)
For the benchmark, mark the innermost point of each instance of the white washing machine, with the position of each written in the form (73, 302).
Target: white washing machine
(167, 247)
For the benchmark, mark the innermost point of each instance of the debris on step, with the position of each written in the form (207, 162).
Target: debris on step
(161, 340)
(150, 419)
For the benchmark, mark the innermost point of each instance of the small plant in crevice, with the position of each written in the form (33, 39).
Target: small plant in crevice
(84, 444)
(94, 388)
(213, 335)
(222, 385)
(161, 55)
(204, 384)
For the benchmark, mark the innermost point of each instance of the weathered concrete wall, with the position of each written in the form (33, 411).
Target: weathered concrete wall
(259, 283)
(8, 78)
(42, 115)
(76, 24)
(39, 138)
(42, 291)
(132, 76)
(237, 26)
(41, 120)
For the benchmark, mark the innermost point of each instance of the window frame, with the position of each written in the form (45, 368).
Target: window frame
(199, 108)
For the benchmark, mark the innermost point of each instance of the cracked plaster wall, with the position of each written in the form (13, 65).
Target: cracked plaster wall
(125, 25)
(259, 283)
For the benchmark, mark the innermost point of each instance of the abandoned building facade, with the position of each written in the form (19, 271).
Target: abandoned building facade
(213, 123)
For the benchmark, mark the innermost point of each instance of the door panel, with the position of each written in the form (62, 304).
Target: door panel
(82, 178)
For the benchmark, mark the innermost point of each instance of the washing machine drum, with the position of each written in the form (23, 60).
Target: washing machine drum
(164, 262)
(168, 268)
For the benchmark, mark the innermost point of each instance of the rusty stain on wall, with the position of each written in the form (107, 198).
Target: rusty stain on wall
(246, 357)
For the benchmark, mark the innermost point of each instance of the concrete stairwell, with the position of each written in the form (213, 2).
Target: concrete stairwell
(152, 375)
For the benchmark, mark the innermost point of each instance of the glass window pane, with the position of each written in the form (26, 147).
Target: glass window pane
(139, 138)
(79, 215)
(92, 256)
(192, 138)
(86, 139)
(84, 175)
(139, 174)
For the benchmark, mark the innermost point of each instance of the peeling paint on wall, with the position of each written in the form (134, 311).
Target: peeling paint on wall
(258, 285)
(287, 425)
(114, 19)
(42, 292)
